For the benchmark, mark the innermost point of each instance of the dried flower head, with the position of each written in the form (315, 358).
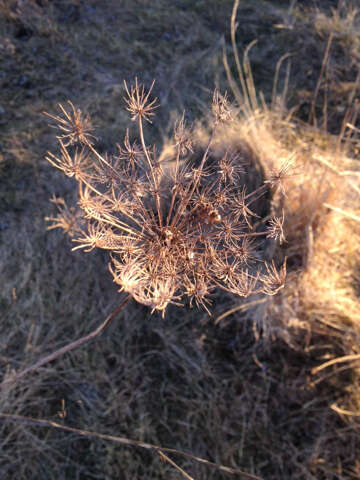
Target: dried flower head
(277, 177)
(172, 232)
(68, 219)
(75, 165)
(276, 229)
(221, 108)
(182, 137)
(274, 280)
(138, 103)
(74, 127)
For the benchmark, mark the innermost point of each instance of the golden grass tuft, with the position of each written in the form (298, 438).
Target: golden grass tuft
(322, 231)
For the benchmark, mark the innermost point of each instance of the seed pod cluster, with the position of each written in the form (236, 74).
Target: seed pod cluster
(173, 230)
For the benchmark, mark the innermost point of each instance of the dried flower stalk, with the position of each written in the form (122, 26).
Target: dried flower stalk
(173, 230)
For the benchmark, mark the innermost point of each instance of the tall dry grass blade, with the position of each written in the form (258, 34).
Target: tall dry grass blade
(233, 28)
(275, 82)
(233, 85)
(165, 458)
(334, 361)
(312, 114)
(249, 79)
(343, 212)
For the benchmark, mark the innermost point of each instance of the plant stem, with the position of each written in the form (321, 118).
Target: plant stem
(70, 346)
(152, 171)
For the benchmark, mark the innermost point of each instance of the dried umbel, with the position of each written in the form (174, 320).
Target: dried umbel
(173, 229)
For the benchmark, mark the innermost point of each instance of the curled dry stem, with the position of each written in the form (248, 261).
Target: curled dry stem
(67, 348)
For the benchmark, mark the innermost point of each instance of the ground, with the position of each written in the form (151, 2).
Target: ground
(219, 390)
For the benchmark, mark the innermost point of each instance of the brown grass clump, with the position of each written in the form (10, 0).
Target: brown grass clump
(319, 202)
(321, 223)
(172, 228)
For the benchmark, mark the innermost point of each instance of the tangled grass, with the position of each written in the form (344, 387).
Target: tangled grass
(285, 408)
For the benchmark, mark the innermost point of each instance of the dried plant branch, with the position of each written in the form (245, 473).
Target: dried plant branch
(343, 212)
(165, 458)
(346, 358)
(342, 411)
(348, 366)
(129, 442)
(239, 308)
(172, 230)
(69, 347)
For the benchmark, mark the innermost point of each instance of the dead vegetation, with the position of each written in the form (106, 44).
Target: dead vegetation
(268, 385)
(173, 228)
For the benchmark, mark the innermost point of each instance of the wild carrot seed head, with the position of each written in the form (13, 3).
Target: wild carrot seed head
(171, 232)
(74, 127)
(138, 103)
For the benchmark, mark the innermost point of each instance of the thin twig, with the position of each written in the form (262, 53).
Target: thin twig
(165, 458)
(243, 306)
(70, 346)
(343, 212)
(312, 114)
(341, 411)
(332, 374)
(127, 441)
(346, 358)
(244, 86)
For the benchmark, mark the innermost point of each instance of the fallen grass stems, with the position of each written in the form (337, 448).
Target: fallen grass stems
(172, 229)
(133, 443)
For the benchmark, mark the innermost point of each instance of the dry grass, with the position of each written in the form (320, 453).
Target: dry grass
(246, 390)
